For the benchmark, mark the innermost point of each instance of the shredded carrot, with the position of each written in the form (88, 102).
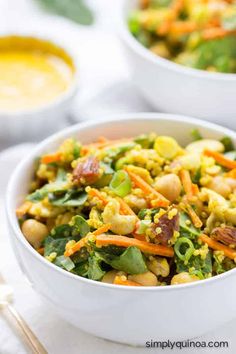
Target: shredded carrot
(166, 25)
(194, 217)
(120, 281)
(124, 207)
(82, 243)
(23, 209)
(231, 174)
(195, 188)
(177, 6)
(182, 27)
(221, 159)
(124, 241)
(102, 140)
(76, 247)
(139, 237)
(93, 192)
(40, 250)
(160, 200)
(187, 183)
(102, 229)
(216, 32)
(51, 158)
(228, 252)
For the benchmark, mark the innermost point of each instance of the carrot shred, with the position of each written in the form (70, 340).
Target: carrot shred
(187, 183)
(102, 229)
(51, 158)
(159, 199)
(23, 209)
(82, 243)
(76, 247)
(125, 208)
(93, 192)
(228, 252)
(221, 159)
(182, 27)
(40, 250)
(139, 237)
(216, 32)
(120, 281)
(232, 173)
(194, 217)
(124, 241)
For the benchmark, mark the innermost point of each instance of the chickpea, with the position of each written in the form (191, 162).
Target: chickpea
(169, 186)
(231, 182)
(159, 266)
(109, 277)
(183, 278)
(34, 232)
(197, 147)
(145, 279)
(219, 185)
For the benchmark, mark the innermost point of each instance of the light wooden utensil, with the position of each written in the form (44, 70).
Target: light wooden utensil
(19, 324)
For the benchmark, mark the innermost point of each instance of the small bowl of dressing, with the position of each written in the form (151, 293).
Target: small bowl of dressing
(38, 81)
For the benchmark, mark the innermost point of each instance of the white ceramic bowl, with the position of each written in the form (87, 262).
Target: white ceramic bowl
(37, 123)
(174, 88)
(123, 314)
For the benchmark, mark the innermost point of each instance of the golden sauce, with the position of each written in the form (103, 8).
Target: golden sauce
(31, 78)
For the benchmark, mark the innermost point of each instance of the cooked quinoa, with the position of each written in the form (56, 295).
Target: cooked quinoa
(142, 211)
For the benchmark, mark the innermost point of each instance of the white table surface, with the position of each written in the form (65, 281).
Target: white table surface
(107, 89)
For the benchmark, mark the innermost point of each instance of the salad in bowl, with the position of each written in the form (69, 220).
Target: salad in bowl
(198, 34)
(145, 210)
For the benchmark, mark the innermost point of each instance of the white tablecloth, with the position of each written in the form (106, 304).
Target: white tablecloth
(105, 85)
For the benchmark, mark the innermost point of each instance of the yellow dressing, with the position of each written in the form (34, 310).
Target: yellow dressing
(32, 77)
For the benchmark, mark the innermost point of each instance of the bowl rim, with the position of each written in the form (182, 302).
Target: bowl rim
(70, 92)
(144, 52)
(117, 118)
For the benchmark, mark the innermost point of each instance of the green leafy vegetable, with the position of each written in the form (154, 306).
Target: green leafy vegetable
(217, 53)
(55, 245)
(186, 227)
(71, 198)
(148, 212)
(75, 10)
(106, 176)
(59, 185)
(80, 224)
(198, 266)
(81, 269)
(196, 135)
(197, 176)
(130, 261)
(95, 271)
(228, 143)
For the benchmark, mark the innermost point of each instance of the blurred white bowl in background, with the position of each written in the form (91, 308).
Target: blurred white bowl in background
(174, 88)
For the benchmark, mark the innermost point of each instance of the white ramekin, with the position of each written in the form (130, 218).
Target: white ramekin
(174, 88)
(123, 314)
(40, 122)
